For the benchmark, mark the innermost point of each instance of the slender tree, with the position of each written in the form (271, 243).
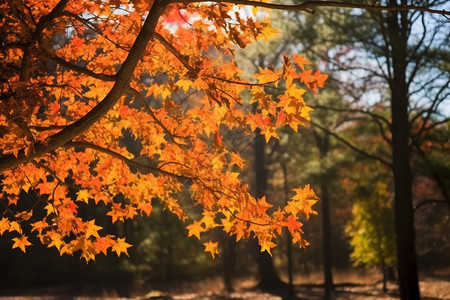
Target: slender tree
(391, 59)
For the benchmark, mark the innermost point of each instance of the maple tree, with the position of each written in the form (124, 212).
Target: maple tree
(77, 76)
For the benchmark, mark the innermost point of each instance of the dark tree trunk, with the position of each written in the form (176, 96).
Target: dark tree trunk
(268, 278)
(229, 261)
(327, 244)
(384, 271)
(398, 27)
(323, 143)
(288, 238)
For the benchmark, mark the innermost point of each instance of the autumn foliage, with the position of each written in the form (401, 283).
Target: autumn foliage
(79, 76)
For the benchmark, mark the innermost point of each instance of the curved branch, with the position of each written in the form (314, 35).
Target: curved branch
(306, 6)
(141, 99)
(182, 58)
(40, 26)
(94, 28)
(429, 201)
(377, 118)
(118, 90)
(78, 69)
(45, 128)
(123, 158)
(435, 175)
(353, 147)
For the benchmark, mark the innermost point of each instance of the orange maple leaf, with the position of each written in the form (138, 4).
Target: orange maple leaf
(83, 195)
(102, 244)
(293, 224)
(195, 229)
(4, 225)
(266, 245)
(14, 226)
(302, 202)
(300, 61)
(21, 242)
(211, 247)
(120, 246)
(92, 229)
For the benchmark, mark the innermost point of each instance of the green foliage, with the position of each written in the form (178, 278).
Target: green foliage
(372, 227)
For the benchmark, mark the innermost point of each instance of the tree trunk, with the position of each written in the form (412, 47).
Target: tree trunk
(268, 278)
(323, 144)
(288, 237)
(228, 261)
(327, 244)
(384, 271)
(398, 26)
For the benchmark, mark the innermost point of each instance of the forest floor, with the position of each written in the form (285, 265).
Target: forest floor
(349, 286)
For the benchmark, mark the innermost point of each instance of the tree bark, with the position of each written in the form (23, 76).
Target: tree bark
(268, 278)
(228, 261)
(327, 243)
(323, 144)
(288, 237)
(398, 26)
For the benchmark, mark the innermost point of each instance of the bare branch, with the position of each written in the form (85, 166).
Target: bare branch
(428, 201)
(353, 147)
(307, 5)
(380, 120)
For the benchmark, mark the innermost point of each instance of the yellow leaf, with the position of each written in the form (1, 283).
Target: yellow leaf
(56, 240)
(268, 32)
(217, 164)
(255, 10)
(21, 243)
(83, 195)
(266, 245)
(14, 226)
(211, 247)
(120, 246)
(50, 209)
(195, 229)
(91, 229)
(208, 220)
(4, 225)
(185, 84)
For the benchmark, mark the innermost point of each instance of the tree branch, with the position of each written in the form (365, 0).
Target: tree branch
(377, 118)
(351, 146)
(78, 69)
(126, 160)
(40, 26)
(428, 201)
(183, 59)
(141, 100)
(306, 6)
(434, 174)
(120, 87)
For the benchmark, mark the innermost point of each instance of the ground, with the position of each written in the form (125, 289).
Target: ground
(349, 286)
